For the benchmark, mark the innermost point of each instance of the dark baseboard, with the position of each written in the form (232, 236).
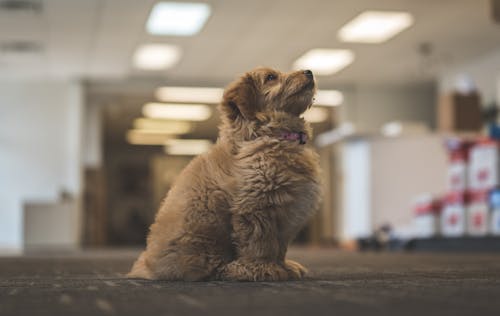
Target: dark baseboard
(458, 244)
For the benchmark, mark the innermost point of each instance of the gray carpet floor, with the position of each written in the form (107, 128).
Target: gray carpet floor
(340, 283)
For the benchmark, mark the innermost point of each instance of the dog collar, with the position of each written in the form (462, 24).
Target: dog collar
(300, 136)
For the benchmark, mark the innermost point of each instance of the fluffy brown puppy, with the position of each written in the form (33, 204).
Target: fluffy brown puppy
(233, 210)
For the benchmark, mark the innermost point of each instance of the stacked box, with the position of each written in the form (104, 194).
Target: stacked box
(495, 212)
(426, 219)
(471, 205)
(477, 214)
(453, 215)
(482, 179)
(483, 166)
(456, 180)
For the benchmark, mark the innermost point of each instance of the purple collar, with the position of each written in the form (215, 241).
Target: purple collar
(300, 136)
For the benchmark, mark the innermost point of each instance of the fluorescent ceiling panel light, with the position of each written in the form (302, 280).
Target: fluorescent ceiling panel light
(375, 26)
(166, 126)
(189, 94)
(324, 61)
(187, 147)
(177, 18)
(182, 112)
(328, 98)
(141, 137)
(156, 56)
(316, 115)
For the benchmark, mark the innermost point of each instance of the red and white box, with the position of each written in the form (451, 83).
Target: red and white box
(426, 221)
(483, 165)
(457, 175)
(453, 215)
(477, 213)
(456, 179)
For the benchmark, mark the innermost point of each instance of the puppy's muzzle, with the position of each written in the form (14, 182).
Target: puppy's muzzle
(309, 74)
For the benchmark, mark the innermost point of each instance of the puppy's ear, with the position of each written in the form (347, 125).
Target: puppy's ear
(241, 99)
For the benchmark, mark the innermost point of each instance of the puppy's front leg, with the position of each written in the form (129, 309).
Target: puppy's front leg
(260, 248)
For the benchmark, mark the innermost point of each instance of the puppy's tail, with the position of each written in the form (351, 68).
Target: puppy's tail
(140, 269)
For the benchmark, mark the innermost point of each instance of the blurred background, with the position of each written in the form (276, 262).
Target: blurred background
(103, 102)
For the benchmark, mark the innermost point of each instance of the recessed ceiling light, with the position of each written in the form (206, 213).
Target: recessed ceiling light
(172, 111)
(166, 126)
(143, 137)
(328, 98)
(156, 56)
(316, 115)
(177, 18)
(189, 94)
(375, 26)
(187, 147)
(324, 61)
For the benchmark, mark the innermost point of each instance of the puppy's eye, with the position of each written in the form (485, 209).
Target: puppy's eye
(270, 77)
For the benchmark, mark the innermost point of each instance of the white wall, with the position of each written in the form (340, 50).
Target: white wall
(40, 141)
(403, 168)
(484, 71)
(369, 107)
(381, 178)
(355, 219)
(369, 196)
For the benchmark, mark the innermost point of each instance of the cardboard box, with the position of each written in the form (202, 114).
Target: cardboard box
(459, 113)
(495, 212)
(458, 155)
(477, 214)
(425, 222)
(453, 215)
(483, 166)
(456, 179)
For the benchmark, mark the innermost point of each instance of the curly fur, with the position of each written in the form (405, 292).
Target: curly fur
(233, 210)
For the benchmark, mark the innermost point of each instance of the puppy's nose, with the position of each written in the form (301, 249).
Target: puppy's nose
(308, 73)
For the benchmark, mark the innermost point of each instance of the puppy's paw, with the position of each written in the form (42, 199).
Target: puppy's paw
(140, 270)
(295, 269)
(254, 271)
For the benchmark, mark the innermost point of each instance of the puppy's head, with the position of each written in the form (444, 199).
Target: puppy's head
(265, 89)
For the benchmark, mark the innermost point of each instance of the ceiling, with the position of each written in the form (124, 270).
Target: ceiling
(95, 39)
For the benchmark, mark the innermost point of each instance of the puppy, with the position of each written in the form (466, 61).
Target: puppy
(233, 210)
